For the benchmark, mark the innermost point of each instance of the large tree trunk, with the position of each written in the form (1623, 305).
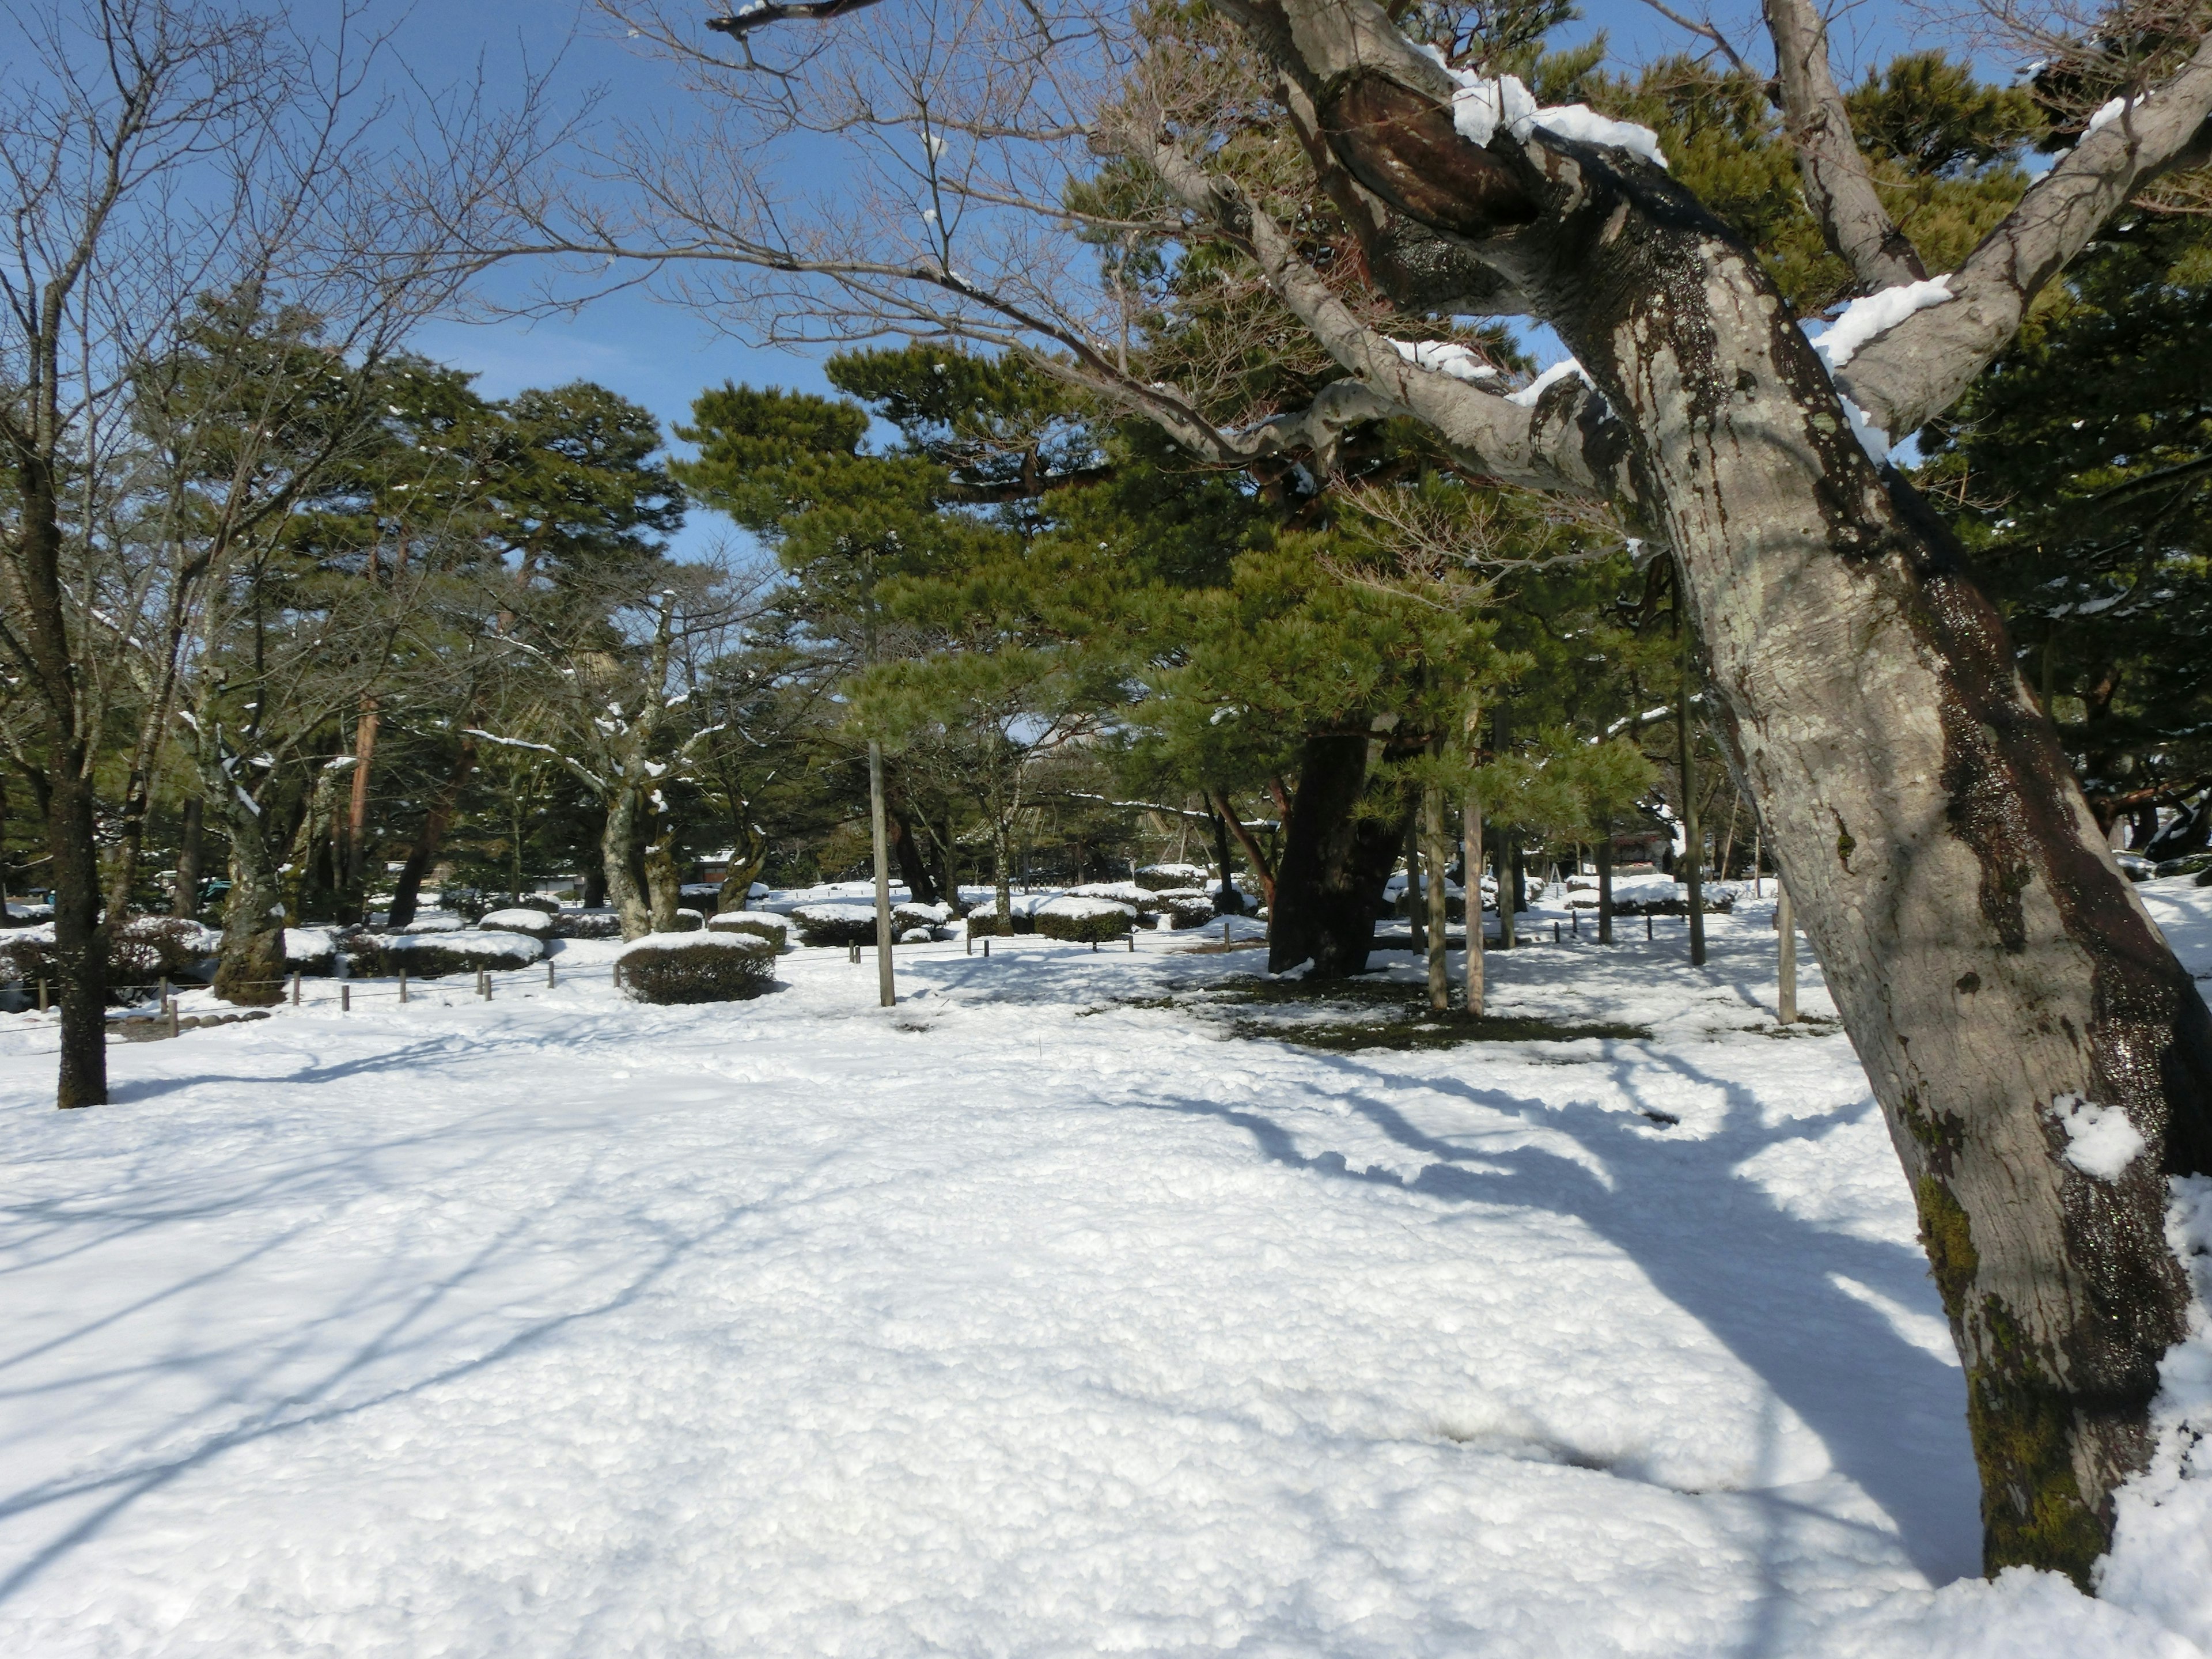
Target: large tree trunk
(622, 855)
(1990, 962)
(250, 969)
(1335, 863)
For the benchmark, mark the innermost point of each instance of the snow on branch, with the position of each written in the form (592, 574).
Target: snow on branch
(761, 12)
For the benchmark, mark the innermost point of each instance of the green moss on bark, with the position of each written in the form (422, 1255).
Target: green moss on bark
(2033, 1513)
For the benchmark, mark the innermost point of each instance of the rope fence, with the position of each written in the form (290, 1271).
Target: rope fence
(403, 987)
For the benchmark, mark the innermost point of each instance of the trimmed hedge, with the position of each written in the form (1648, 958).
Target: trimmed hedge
(588, 924)
(1086, 921)
(758, 924)
(983, 922)
(678, 968)
(836, 924)
(430, 956)
(519, 919)
(1167, 877)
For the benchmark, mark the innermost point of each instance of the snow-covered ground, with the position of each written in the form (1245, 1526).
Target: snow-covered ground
(1029, 1317)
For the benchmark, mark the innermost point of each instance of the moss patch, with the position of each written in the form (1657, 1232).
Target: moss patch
(2032, 1510)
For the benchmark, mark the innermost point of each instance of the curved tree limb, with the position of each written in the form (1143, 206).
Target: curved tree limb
(1568, 441)
(1917, 370)
(1837, 187)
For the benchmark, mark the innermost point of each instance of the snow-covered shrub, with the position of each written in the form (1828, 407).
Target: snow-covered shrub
(688, 921)
(983, 922)
(1085, 920)
(601, 923)
(773, 929)
(1165, 878)
(1183, 910)
(434, 923)
(427, 956)
(520, 918)
(311, 951)
(705, 967)
(909, 915)
(147, 948)
(836, 924)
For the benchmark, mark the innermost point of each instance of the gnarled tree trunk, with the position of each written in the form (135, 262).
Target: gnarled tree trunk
(1990, 964)
(1335, 863)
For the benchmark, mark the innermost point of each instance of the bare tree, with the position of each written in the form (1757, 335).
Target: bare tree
(155, 152)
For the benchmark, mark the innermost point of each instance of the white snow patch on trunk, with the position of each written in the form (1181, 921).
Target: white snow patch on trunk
(2100, 1141)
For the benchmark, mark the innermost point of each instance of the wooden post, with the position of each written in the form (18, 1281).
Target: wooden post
(345, 996)
(987, 945)
(1555, 932)
(1647, 924)
(1785, 922)
(1132, 941)
(174, 1024)
(549, 973)
(402, 982)
(42, 996)
(295, 990)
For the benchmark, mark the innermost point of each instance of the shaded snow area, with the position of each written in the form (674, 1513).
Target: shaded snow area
(1048, 1313)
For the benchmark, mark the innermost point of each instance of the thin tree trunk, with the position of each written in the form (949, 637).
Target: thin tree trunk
(1417, 941)
(1227, 899)
(886, 991)
(1692, 838)
(1508, 890)
(1263, 868)
(250, 969)
(1605, 887)
(1785, 924)
(353, 879)
(1002, 875)
(1471, 855)
(422, 856)
(79, 946)
(622, 855)
(1432, 816)
(186, 902)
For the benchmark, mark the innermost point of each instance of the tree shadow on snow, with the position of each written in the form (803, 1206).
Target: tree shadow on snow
(386, 1338)
(1891, 1415)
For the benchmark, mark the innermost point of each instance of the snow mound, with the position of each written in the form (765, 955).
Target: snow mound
(2100, 1141)
(469, 942)
(1080, 906)
(434, 924)
(520, 919)
(651, 943)
(310, 944)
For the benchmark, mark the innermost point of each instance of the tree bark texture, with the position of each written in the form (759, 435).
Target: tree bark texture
(1988, 960)
(1471, 856)
(1693, 844)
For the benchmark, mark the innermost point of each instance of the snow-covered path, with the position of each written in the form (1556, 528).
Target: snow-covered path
(1024, 1319)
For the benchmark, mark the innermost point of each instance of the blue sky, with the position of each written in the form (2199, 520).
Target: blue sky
(662, 355)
